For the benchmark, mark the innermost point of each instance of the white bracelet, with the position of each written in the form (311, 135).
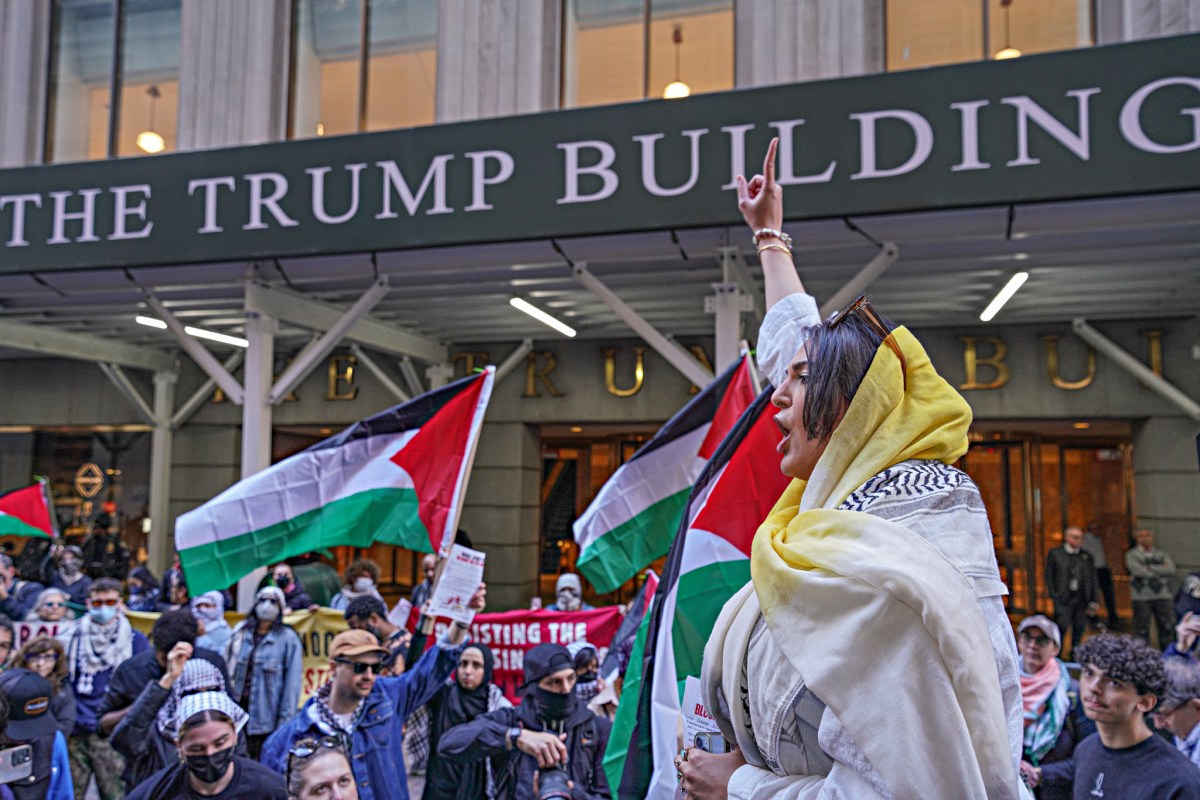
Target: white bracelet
(780, 235)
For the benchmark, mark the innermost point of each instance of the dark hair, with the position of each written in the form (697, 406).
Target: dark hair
(838, 360)
(43, 644)
(4, 711)
(201, 717)
(358, 567)
(585, 657)
(1126, 659)
(104, 585)
(172, 628)
(363, 607)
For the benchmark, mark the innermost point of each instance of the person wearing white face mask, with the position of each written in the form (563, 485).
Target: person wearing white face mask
(265, 668)
(568, 594)
(209, 611)
(95, 646)
(359, 580)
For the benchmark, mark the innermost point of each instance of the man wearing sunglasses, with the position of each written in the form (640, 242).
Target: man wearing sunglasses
(367, 711)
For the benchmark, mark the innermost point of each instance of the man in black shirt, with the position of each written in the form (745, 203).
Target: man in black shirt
(1121, 683)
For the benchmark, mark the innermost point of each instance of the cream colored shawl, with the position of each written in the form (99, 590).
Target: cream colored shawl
(878, 624)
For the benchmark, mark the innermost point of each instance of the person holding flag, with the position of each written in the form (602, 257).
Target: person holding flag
(870, 655)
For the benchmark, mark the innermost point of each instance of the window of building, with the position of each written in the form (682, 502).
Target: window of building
(924, 33)
(105, 49)
(363, 65)
(615, 51)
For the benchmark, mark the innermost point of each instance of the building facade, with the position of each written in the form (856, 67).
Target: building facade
(253, 101)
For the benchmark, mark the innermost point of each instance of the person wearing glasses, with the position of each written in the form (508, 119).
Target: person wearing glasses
(1179, 711)
(97, 643)
(265, 661)
(1054, 719)
(369, 712)
(46, 656)
(51, 606)
(1122, 682)
(871, 650)
(318, 769)
(209, 725)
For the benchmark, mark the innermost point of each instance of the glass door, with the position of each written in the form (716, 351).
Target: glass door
(1001, 469)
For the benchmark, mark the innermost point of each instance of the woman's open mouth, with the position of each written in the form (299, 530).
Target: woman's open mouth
(782, 446)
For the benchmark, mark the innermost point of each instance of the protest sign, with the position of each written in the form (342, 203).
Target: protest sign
(460, 577)
(511, 634)
(24, 631)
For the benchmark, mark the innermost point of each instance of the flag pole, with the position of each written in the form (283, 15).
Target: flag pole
(424, 623)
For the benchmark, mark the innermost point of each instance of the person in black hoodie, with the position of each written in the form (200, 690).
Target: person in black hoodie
(549, 732)
(469, 695)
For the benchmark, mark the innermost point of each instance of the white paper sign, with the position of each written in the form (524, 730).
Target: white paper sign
(460, 578)
(696, 718)
(399, 615)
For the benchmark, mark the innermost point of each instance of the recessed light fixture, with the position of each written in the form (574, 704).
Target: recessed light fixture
(542, 316)
(1005, 294)
(576, 429)
(1081, 426)
(199, 333)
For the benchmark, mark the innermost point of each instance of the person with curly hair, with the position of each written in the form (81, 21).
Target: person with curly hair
(360, 579)
(47, 658)
(1121, 682)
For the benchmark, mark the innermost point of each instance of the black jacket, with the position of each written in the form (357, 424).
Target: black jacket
(137, 738)
(485, 737)
(1059, 566)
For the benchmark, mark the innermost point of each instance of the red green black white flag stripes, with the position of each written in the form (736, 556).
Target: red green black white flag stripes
(634, 518)
(398, 477)
(28, 512)
(708, 562)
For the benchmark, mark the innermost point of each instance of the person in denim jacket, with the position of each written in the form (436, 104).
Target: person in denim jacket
(367, 713)
(265, 667)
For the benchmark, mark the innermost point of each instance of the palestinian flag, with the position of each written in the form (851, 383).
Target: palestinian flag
(709, 561)
(398, 477)
(635, 516)
(28, 512)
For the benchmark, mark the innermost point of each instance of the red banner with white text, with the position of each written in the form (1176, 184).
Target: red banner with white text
(511, 634)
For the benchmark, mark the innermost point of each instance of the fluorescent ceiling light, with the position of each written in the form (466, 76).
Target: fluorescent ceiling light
(199, 333)
(541, 316)
(1010, 288)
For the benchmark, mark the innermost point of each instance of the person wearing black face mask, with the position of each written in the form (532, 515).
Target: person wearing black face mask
(208, 769)
(549, 729)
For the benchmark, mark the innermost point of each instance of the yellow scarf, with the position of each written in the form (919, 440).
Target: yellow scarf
(875, 619)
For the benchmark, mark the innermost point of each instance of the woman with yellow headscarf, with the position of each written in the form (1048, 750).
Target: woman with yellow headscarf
(870, 656)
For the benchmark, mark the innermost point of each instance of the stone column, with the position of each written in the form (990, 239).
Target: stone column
(233, 72)
(502, 511)
(496, 58)
(1129, 20)
(788, 41)
(1167, 481)
(24, 53)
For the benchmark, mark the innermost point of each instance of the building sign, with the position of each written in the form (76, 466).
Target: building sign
(1120, 119)
(89, 480)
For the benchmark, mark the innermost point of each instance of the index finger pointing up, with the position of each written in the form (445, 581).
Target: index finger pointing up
(769, 162)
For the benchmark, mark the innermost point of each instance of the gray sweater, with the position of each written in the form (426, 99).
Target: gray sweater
(1150, 574)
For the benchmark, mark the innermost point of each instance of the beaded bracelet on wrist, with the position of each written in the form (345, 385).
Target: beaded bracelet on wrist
(773, 232)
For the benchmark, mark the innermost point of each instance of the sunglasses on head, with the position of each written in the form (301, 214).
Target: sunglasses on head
(97, 603)
(306, 747)
(360, 667)
(863, 308)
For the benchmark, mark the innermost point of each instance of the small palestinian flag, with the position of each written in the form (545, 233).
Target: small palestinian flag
(28, 512)
(398, 477)
(635, 516)
(708, 563)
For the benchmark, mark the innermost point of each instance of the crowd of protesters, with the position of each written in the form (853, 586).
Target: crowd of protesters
(203, 709)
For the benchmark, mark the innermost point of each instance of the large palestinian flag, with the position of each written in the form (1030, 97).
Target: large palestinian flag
(709, 561)
(634, 518)
(398, 477)
(27, 512)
